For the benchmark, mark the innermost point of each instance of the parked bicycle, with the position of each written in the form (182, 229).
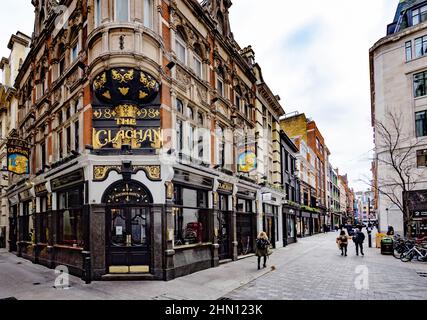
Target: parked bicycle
(418, 252)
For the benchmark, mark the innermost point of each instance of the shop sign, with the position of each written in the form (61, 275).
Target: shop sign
(126, 111)
(247, 159)
(67, 180)
(18, 156)
(40, 188)
(225, 187)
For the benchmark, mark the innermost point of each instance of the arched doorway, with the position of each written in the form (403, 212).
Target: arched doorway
(128, 228)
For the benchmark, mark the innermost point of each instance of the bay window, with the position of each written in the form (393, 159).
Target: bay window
(148, 13)
(122, 10)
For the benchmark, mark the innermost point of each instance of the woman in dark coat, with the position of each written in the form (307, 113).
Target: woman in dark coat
(262, 246)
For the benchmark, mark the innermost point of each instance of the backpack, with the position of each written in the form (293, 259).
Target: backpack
(261, 244)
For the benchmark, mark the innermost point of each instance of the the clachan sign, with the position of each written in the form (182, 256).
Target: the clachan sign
(126, 112)
(18, 155)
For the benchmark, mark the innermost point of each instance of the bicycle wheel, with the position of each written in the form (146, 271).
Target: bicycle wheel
(407, 256)
(397, 252)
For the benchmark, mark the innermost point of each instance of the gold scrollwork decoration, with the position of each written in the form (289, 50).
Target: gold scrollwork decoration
(122, 78)
(100, 173)
(169, 190)
(147, 83)
(154, 173)
(100, 81)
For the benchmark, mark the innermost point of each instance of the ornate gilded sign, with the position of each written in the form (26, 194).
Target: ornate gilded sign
(18, 156)
(67, 180)
(126, 112)
(153, 172)
(225, 187)
(247, 158)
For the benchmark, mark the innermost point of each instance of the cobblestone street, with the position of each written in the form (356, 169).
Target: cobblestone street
(311, 269)
(316, 270)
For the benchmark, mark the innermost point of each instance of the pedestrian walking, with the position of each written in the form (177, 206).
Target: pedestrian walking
(342, 242)
(358, 239)
(262, 248)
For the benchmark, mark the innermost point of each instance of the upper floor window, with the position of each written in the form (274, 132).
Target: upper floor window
(98, 13)
(148, 13)
(181, 47)
(422, 158)
(221, 146)
(419, 15)
(421, 124)
(179, 106)
(190, 113)
(122, 10)
(420, 47)
(420, 84)
(200, 119)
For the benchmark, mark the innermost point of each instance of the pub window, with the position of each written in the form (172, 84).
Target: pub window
(43, 221)
(148, 13)
(60, 144)
(68, 133)
(221, 146)
(420, 84)
(200, 147)
(421, 124)
(179, 135)
(181, 47)
(244, 205)
(179, 106)
(190, 113)
(98, 13)
(220, 85)
(70, 218)
(76, 136)
(43, 154)
(191, 216)
(191, 140)
(26, 227)
(200, 118)
(422, 158)
(122, 10)
(61, 59)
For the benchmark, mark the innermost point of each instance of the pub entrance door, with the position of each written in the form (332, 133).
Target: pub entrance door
(13, 229)
(128, 238)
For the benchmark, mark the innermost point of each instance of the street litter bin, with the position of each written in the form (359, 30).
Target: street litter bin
(378, 239)
(387, 246)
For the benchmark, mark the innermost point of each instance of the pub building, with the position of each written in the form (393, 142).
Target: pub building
(130, 117)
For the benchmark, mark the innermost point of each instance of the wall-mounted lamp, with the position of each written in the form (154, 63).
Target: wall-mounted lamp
(171, 65)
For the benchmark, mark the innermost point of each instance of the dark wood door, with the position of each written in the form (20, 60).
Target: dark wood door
(129, 237)
(13, 229)
(224, 235)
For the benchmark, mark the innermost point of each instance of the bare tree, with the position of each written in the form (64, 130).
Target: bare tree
(398, 153)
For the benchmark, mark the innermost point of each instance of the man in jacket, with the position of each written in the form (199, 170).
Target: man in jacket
(358, 239)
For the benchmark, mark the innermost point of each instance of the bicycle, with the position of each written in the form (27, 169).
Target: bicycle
(401, 246)
(419, 252)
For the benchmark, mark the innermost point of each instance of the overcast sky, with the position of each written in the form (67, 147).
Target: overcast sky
(315, 56)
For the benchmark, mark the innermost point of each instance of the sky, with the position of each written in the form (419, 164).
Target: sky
(315, 57)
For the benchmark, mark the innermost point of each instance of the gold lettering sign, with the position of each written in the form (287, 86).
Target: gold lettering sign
(102, 138)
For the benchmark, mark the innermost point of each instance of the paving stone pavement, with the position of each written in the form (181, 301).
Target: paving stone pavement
(309, 269)
(320, 272)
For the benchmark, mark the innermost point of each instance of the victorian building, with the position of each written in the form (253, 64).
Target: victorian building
(154, 145)
(19, 47)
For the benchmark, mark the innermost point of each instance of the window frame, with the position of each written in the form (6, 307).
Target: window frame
(423, 81)
(98, 13)
(116, 18)
(424, 126)
(180, 41)
(220, 80)
(421, 153)
(150, 25)
(197, 59)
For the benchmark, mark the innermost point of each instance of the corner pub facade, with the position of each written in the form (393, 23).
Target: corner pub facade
(143, 120)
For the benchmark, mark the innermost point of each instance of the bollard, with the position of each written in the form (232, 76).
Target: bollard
(86, 268)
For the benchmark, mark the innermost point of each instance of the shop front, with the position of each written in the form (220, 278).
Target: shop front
(245, 221)
(271, 223)
(316, 223)
(226, 220)
(306, 225)
(290, 225)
